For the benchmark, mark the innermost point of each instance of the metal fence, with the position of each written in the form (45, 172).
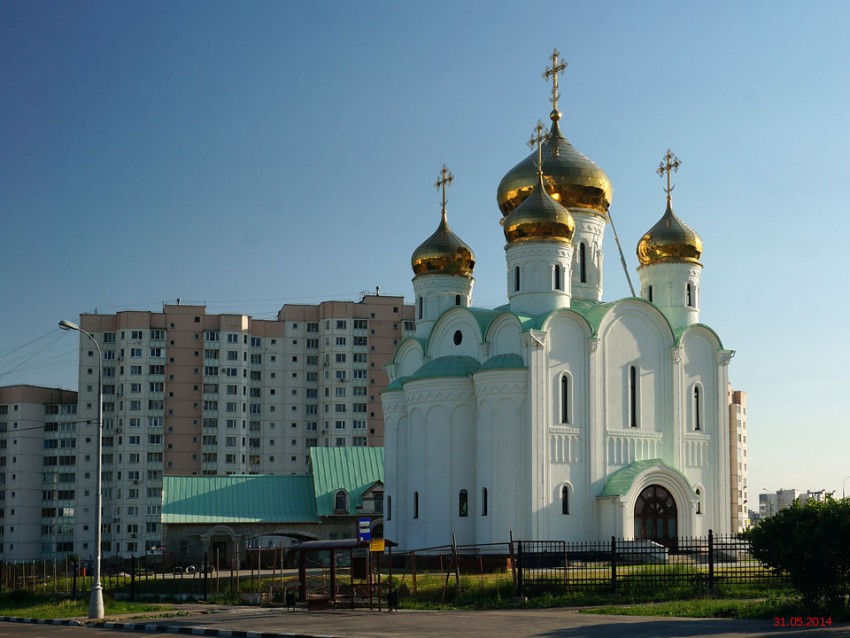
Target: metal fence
(523, 568)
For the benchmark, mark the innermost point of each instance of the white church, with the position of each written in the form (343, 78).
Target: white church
(558, 416)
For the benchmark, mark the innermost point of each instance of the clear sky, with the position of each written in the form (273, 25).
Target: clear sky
(251, 154)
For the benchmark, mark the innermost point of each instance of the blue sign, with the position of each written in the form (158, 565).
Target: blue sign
(364, 529)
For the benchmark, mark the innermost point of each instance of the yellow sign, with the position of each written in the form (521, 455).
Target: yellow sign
(376, 545)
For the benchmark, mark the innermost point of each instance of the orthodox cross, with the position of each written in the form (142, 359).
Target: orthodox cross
(538, 136)
(445, 179)
(669, 164)
(557, 67)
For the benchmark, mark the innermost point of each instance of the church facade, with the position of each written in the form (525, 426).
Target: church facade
(558, 416)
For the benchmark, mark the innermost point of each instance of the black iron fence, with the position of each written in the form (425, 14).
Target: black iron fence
(524, 568)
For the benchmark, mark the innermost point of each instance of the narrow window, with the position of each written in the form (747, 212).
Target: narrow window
(340, 502)
(463, 503)
(416, 505)
(484, 502)
(633, 381)
(689, 296)
(557, 277)
(565, 398)
(699, 501)
(457, 300)
(421, 304)
(516, 279)
(565, 500)
(389, 508)
(582, 262)
(697, 409)
(649, 293)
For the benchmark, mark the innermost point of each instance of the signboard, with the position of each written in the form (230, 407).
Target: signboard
(364, 529)
(376, 545)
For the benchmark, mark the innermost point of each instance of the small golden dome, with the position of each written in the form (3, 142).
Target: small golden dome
(443, 253)
(571, 179)
(539, 216)
(669, 241)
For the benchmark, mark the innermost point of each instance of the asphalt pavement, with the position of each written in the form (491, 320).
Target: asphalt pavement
(259, 622)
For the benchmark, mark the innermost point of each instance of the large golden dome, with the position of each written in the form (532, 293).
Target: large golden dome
(539, 217)
(669, 241)
(443, 253)
(571, 179)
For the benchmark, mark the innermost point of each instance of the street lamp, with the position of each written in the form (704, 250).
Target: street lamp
(96, 599)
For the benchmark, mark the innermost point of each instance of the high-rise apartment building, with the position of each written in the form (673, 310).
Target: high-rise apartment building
(191, 393)
(738, 458)
(39, 481)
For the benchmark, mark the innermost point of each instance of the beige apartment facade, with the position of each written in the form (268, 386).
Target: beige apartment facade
(738, 460)
(41, 482)
(189, 393)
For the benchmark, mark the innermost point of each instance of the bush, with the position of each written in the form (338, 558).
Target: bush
(809, 543)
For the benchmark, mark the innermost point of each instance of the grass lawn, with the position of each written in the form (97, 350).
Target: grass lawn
(27, 605)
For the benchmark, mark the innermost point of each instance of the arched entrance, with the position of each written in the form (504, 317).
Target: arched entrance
(655, 516)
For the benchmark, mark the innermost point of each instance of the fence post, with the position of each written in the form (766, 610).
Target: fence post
(133, 578)
(413, 563)
(613, 564)
(710, 560)
(206, 573)
(75, 569)
(519, 569)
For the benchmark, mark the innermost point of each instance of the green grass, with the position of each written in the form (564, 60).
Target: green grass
(29, 605)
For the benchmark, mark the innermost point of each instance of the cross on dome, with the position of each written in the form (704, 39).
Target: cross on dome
(538, 136)
(668, 165)
(557, 68)
(445, 179)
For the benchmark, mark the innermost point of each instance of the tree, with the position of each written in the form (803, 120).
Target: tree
(811, 543)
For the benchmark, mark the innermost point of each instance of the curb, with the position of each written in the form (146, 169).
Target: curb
(158, 628)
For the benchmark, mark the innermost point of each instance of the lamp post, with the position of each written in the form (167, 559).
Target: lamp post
(96, 599)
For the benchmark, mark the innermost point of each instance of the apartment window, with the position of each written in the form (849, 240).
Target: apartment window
(359, 441)
(340, 341)
(360, 324)
(361, 341)
(136, 353)
(340, 442)
(232, 338)
(256, 342)
(341, 324)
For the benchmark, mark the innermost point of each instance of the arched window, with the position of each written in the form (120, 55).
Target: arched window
(516, 279)
(582, 262)
(649, 293)
(697, 408)
(566, 403)
(463, 503)
(484, 501)
(557, 277)
(389, 508)
(565, 500)
(699, 500)
(633, 396)
(416, 505)
(457, 300)
(421, 307)
(689, 296)
(341, 502)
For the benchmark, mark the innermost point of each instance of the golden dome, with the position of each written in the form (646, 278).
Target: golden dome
(669, 241)
(571, 179)
(539, 216)
(443, 253)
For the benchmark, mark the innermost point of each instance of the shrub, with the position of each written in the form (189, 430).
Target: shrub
(810, 543)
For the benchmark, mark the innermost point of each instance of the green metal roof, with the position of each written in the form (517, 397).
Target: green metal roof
(238, 499)
(453, 366)
(353, 469)
(503, 362)
(395, 385)
(620, 482)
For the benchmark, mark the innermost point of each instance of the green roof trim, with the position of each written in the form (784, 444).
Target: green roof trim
(680, 332)
(353, 469)
(620, 482)
(452, 366)
(503, 362)
(238, 499)
(395, 385)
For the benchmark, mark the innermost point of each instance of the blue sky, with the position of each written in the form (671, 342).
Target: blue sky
(250, 154)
